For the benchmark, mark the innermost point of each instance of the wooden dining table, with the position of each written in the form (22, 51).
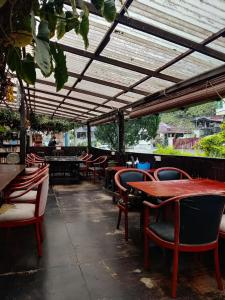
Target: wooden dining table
(172, 188)
(8, 173)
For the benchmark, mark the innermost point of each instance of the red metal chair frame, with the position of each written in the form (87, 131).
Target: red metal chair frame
(83, 169)
(37, 219)
(176, 246)
(92, 165)
(124, 195)
(182, 172)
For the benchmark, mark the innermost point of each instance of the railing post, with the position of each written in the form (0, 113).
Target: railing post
(22, 129)
(121, 146)
(88, 137)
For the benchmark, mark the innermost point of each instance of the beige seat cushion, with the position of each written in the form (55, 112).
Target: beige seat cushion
(19, 211)
(31, 195)
(30, 170)
(222, 224)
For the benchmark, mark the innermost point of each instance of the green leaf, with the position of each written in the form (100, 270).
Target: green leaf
(98, 4)
(2, 2)
(61, 75)
(43, 31)
(28, 72)
(43, 57)
(58, 6)
(61, 28)
(109, 10)
(14, 59)
(72, 22)
(84, 26)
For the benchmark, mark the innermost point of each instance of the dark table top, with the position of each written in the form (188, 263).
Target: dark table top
(63, 159)
(172, 188)
(8, 173)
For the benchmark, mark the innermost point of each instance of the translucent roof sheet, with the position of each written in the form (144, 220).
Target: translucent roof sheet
(192, 19)
(139, 48)
(192, 65)
(113, 73)
(146, 45)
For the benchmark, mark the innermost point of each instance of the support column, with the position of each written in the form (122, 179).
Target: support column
(22, 129)
(88, 137)
(121, 146)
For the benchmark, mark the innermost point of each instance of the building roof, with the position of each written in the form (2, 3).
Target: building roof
(165, 128)
(151, 47)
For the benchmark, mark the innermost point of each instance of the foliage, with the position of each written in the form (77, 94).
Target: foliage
(9, 118)
(44, 123)
(168, 150)
(139, 129)
(18, 29)
(184, 118)
(213, 145)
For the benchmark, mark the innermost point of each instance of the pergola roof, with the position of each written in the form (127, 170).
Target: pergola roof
(151, 46)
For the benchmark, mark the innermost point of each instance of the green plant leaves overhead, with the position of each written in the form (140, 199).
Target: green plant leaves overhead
(98, 4)
(61, 75)
(84, 26)
(43, 31)
(2, 2)
(14, 59)
(28, 72)
(109, 10)
(60, 28)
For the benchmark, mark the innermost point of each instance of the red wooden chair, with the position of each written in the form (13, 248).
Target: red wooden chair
(19, 189)
(24, 214)
(195, 229)
(97, 167)
(170, 173)
(127, 198)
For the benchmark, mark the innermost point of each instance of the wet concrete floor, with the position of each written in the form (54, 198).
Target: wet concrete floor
(85, 257)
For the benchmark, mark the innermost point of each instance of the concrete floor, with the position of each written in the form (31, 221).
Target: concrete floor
(84, 257)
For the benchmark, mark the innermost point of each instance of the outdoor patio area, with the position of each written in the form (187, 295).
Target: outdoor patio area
(85, 257)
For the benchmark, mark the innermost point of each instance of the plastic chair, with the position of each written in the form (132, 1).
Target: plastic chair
(97, 167)
(125, 191)
(24, 214)
(170, 173)
(191, 230)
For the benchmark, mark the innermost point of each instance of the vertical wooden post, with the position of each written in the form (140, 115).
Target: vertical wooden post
(88, 137)
(22, 129)
(121, 146)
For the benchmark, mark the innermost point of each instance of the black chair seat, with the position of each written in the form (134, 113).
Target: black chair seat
(164, 230)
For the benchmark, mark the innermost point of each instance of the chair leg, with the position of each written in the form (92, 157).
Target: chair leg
(41, 232)
(146, 252)
(126, 226)
(38, 238)
(119, 219)
(175, 272)
(217, 269)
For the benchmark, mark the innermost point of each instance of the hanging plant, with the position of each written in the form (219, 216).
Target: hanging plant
(35, 23)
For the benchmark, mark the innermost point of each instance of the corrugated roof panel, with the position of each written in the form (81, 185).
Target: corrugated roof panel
(87, 97)
(131, 97)
(218, 44)
(112, 73)
(80, 103)
(43, 94)
(75, 63)
(48, 88)
(98, 88)
(140, 49)
(192, 19)
(115, 104)
(51, 78)
(154, 84)
(192, 65)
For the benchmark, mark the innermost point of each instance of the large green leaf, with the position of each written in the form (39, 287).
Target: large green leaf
(43, 57)
(109, 10)
(84, 26)
(43, 31)
(72, 22)
(98, 4)
(2, 2)
(61, 28)
(28, 72)
(14, 59)
(61, 75)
